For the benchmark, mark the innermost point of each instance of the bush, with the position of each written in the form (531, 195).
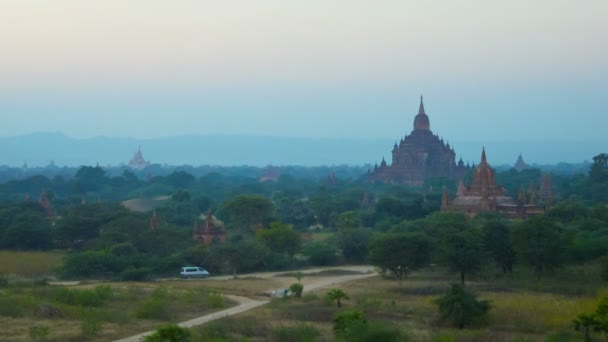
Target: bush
(153, 308)
(298, 333)
(9, 307)
(348, 324)
(135, 274)
(462, 307)
(296, 289)
(169, 333)
(39, 333)
(215, 300)
(79, 297)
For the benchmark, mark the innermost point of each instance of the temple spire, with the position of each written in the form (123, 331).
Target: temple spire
(483, 155)
(421, 109)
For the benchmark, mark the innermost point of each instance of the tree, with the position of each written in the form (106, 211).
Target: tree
(280, 238)
(244, 211)
(83, 222)
(596, 321)
(296, 289)
(462, 251)
(337, 295)
(400, 253)
(354, 244)
(243, 255)
(320, 253)
(598, 172)
(347, 220)
(497, 242)
(169, 333)
(585, 323)
(89, 178)
(539, 241)
(462, 307)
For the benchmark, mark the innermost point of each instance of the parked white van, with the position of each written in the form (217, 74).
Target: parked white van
(193, 272)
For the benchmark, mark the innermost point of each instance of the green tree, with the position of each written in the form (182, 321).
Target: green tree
(354, 244)
(586, 323)
(170, 333)
(462, 307)
(400, 253)
(539, 241)
(598, 172)
(281, 238)
(244, 211)
(337, 295)
(296, 289)
(498, 243)
(462, 251)
(89, 178)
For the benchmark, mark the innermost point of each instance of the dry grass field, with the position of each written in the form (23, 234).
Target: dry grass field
(29, 264)
(525, 310)
(100, 312)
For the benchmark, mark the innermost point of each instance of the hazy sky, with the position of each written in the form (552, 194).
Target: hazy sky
(489, 70)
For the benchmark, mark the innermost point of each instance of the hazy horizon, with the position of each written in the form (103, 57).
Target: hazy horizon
(489, 71)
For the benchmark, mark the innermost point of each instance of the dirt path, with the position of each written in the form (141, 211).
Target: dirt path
(248, 303)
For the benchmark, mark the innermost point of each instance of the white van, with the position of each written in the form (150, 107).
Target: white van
(193, 272)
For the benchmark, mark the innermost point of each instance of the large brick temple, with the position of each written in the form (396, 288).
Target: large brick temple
(419, 156)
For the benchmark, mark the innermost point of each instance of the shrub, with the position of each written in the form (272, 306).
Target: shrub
(348, 324)
(462, 307)
(39, 333)
(135, 274)
(153, 308)
(215, 300)
(78, 297)
(9, 307)
(169, 333)
(298, 333)
(104, 292)
(297, 289)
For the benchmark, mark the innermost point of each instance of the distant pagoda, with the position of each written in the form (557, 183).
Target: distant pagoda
(419, 156)
(520, 164)
(138, 162)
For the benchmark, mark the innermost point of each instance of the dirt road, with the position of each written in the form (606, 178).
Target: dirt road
(311, 283)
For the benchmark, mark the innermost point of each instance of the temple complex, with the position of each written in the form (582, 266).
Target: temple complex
(484, 195)
(138, 162)
(419, 156)
(520, 164)
(211, 230)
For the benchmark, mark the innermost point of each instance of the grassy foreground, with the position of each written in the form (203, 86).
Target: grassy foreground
(524, 309)
(106, 312)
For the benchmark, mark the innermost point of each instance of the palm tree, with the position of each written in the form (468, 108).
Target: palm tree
(338, 295)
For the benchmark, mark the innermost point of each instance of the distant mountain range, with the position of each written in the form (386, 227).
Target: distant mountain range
(39, 149)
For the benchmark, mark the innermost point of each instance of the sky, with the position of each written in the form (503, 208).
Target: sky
(489, 70)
